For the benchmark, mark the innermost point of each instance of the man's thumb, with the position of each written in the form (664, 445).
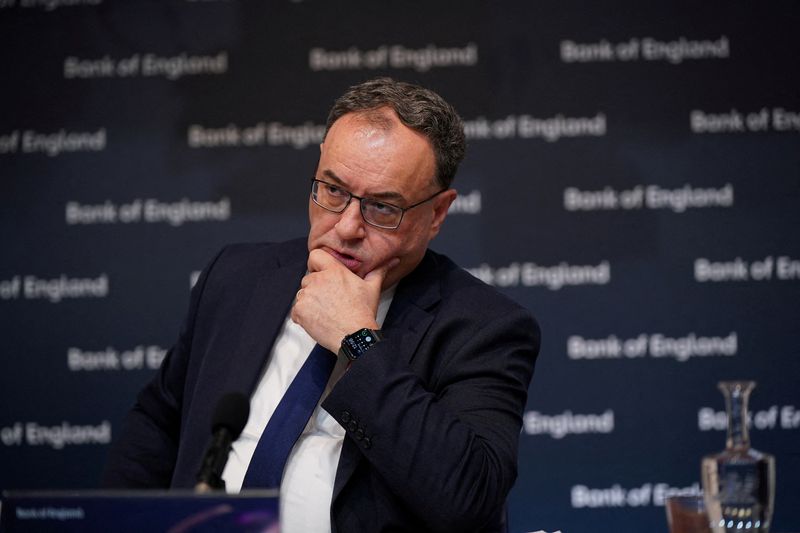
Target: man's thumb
(377, 275)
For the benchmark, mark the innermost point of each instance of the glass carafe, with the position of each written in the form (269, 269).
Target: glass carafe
(739, 482)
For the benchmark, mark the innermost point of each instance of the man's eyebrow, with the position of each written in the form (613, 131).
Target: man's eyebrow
(386, 195)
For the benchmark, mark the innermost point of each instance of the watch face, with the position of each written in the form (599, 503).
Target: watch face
(359, 342)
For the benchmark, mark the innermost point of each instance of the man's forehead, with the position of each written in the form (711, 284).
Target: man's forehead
(376, 122)
(373, 153)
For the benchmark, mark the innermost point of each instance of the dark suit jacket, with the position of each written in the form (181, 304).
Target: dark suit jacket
(432, 414)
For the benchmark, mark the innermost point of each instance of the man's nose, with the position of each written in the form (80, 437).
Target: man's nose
(351, 223)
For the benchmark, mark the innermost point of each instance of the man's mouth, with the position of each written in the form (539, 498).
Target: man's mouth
(352, 263)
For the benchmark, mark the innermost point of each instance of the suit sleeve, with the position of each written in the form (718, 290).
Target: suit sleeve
(446, 447)
(143, 454)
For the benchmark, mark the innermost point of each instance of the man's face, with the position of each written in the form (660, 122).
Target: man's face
(395, 165)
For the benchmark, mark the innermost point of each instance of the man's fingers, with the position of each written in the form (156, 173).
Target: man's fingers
(320, 260)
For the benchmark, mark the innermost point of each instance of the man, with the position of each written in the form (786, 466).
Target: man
(416, 432)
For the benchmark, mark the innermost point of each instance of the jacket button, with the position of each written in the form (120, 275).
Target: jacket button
(359, 433)
(367, 442)
(352, 426)
(345, 416)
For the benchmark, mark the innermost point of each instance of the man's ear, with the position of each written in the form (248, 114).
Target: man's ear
(440, 206)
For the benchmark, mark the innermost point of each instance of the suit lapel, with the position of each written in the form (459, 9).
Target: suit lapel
(267, 309)
(409, 318)
(238, 370)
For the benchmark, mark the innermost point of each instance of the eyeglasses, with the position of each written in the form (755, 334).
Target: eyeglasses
(374, 212)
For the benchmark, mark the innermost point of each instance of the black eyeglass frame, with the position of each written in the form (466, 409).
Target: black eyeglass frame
(361, 199)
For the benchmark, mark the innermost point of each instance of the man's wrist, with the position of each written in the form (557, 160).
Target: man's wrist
(359, 342)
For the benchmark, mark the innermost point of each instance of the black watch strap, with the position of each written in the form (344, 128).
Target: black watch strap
(356, 344)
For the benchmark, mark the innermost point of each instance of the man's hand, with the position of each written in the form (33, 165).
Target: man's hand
(333, 302)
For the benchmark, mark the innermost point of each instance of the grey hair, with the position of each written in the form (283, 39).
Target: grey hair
(418, 108)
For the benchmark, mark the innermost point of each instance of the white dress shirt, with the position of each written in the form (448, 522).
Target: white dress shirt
(307, 485)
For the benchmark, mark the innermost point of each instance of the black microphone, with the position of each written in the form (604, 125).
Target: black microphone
(229, 419)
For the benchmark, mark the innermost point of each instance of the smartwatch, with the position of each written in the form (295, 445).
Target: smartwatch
(355, 344)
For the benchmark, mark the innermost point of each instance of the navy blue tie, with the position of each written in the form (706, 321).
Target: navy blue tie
(288, 420)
